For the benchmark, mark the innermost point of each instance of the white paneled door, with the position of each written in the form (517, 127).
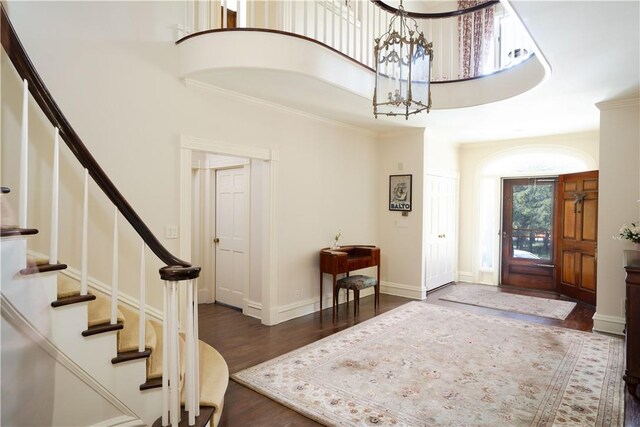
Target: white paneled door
(440, 230)
(232, 238)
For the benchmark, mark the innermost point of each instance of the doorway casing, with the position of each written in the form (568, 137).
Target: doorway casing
(268, 214)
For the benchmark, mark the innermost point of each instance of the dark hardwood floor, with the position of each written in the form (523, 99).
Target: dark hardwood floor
(244, 342)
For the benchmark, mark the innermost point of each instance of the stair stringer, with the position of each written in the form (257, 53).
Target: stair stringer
(36, 361)
(32, 296)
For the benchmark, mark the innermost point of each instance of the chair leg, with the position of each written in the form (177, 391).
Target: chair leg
(356, 302)
(347, 291)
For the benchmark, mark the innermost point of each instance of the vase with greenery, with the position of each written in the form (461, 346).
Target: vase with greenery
(336, 238)
(631, 233)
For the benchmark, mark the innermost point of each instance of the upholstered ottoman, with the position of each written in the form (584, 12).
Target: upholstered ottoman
(356, 284)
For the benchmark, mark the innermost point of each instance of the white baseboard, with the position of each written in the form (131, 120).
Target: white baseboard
(311, 305)
(253, 309)
(203, 296)
(405, 291)
(465, 276)
(608, 324)
(122, 421)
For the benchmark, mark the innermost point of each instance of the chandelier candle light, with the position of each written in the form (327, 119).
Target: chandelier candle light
(403, 69)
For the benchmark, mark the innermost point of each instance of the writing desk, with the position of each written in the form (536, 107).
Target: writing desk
(345, 259)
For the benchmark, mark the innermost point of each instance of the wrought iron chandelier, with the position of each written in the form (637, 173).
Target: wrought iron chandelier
(403, 68)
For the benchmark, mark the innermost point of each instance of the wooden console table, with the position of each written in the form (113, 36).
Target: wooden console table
(345, 259)
(632, 330)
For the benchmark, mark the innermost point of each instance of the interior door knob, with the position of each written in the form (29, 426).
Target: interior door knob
(216, 240)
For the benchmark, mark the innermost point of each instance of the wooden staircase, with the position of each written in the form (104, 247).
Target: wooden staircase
(90, 315)
(92, 333)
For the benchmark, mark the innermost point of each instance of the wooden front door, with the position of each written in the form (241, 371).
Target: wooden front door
(577, 231)
(528, 256)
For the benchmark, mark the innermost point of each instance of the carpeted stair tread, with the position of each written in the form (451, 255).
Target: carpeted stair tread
(35, 261)
(154, 363)
(67, 286)
(100, 311)
(129, 335)
(214, 379)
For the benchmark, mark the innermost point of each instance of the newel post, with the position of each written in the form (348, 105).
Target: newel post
(175, 277)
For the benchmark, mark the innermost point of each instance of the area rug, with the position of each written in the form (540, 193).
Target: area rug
(491, 297)
(428, 365)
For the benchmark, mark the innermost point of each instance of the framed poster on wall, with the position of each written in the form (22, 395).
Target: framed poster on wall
(400, 193)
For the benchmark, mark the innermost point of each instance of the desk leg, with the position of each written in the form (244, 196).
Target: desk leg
(320, 294)
(376, 300)
(335, 299)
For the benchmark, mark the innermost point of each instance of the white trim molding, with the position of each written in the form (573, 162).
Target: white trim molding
(465, 276)
(618, 103)
(608, 324)
(121, 421)
(312, 305)
(268, 306)
(405, 291)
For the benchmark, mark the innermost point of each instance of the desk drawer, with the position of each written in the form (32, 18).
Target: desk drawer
(358, 263)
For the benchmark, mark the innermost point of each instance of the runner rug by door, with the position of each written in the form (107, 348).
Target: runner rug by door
(491, 297)
(427, 365)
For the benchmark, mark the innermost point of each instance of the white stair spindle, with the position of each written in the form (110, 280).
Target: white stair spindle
(441, 43)
(189, 358)
(304, 20)
(196, 337)
(55, 185)
(333, 27)
(224, 14)
(293, 16)
(143, 304)
(241, 19)
(252, 13)
(174, 369)
(324, 24)
(345, 22)
(266, 13)
(24, 158)
(362, 22)
(85, 224)
(315, 20)
(114, 271)
(165, 359)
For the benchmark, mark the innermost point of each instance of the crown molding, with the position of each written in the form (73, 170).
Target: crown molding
(274, 106)
(618, 103)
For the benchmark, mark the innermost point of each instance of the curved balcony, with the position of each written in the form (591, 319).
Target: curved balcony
(301, 53)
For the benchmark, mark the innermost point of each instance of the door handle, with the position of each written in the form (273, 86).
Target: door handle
(216, 240)
(546, 265)
(504, 235)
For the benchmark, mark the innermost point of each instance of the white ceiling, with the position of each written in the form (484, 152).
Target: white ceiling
(592, 47)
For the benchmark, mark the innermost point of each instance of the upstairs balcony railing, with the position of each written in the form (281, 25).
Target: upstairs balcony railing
(478, 39)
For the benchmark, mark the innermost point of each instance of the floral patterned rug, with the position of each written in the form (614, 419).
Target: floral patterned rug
(491, 297)
(427, 365)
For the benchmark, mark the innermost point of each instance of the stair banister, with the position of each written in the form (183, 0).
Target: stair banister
(18, 56)
(176, 272)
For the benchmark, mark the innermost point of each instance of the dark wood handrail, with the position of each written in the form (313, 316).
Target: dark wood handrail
(22, 63)
(437, 15)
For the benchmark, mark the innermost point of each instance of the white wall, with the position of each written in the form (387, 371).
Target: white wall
(112, 67)
(618, 200)
(401, 237)
(473, 159)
